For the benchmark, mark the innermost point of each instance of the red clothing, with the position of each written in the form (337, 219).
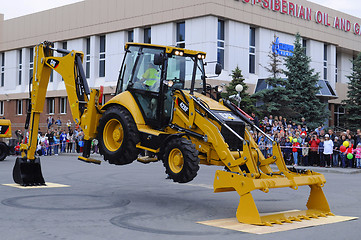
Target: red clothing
(314, 144)
(295, 146)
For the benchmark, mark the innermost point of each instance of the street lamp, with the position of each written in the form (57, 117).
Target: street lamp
(237, 97)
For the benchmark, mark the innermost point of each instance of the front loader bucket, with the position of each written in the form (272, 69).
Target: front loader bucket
(247, 211)
(27, 172)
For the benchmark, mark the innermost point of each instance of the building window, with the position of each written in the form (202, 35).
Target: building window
(325, 62)
(31, 64)
(51, 76)
(20, 66)
(19, 107)
(2, 70)
(252, 50)
(51, 105)
(338, 114)
(1, 108)
(131, 36)
(63, 104)
(181, 33)
(102, 56)
(336, 68)
(220, 43)
(65, 45)
(87, 58)
(147, 35)
(304, 46)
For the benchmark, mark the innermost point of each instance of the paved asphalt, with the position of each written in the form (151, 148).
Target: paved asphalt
(137, 202)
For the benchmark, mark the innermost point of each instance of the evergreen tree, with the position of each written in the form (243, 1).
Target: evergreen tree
(353, 101)
(302, 88)
(247, 104)
(274, 100)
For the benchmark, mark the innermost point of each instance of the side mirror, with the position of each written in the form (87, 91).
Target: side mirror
(158, 59)
(218, 69)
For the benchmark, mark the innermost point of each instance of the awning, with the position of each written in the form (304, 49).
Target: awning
(326, 91)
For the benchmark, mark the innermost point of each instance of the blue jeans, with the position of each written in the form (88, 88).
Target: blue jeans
(343, 160)
(358, 162)
(335, 159)
(295, 159)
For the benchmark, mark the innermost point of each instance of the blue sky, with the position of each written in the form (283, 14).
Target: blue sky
(16, 8)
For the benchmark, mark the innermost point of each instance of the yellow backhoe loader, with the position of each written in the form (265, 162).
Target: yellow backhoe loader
(164, 110)
(5, 132)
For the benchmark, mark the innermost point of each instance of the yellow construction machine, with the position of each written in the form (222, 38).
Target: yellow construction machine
(5, 132)
(164, 110)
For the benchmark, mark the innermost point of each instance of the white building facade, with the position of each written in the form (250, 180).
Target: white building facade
(232, 32)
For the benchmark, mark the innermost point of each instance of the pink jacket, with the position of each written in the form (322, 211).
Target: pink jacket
(358, 152)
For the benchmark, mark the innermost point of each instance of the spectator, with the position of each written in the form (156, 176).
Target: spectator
(332, 134)
(17, 149)
(321, 159)
(313, 159)
(343, 155)
(255, 119)
(327, 151)
(63, 141)
(50, 121)
(358, 137)
(50, 141)
(336, 151)
(287, 151)
(262, 146)
(358, 155)
(69, 140)
(58, 123)
(305, 150)
(295, 147)
(68, 124)
(303, 123)
(56, 145)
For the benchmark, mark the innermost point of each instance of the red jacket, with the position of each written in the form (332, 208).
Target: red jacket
(314, 144)
(295, 146)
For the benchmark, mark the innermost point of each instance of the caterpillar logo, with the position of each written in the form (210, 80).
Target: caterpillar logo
(53, 63)
(183, 106)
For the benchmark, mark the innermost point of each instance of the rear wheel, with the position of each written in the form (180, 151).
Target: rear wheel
(118, 136)
(181, 160)
(4, 151)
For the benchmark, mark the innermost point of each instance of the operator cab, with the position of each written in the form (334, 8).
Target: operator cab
(151, 72)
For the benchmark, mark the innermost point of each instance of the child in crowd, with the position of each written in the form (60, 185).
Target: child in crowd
(358, 155)
(321, 161)
(262, 147)
(295, 147)
(305, 150)
(287, 151)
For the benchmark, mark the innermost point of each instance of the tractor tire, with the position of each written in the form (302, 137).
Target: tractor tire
(181, 160)
(118, 136)
(4, 151)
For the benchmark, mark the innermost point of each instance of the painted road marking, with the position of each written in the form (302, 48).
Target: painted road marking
(48, 185)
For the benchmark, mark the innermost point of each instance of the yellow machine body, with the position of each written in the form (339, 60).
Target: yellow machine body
(184, 128)
(5, 128)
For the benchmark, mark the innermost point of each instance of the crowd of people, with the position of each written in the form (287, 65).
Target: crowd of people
(299, 144)
(57, 139)
(309, 147)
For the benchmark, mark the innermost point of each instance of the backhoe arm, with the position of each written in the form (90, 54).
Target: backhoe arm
(83, 102)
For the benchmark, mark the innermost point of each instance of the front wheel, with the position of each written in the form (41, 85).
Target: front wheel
(181, 160)
(118, 136)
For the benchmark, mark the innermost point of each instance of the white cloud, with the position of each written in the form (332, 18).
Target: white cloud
(351, 7)
(17, 8)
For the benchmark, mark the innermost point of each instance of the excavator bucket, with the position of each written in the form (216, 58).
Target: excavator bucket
(28, 172)
(266, 179)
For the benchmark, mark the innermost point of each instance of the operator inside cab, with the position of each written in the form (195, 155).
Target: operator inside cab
(151, 78)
